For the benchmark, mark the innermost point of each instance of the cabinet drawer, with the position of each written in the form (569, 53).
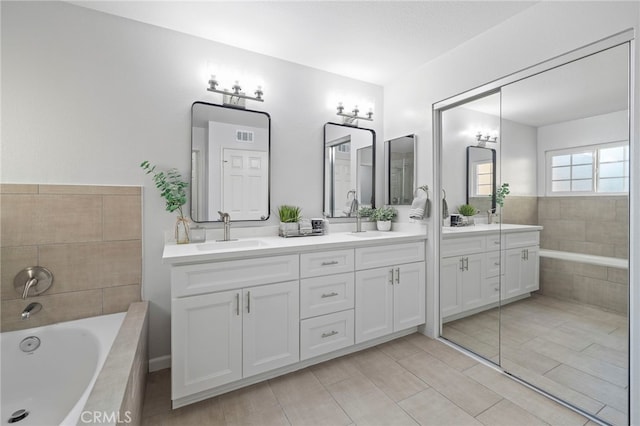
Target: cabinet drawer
(522, 239)
(387, 255)
(493, 242)
(491, 264)
(187, 280)
(326, 333)
(326, 262)
(462, 245)
(325, 295)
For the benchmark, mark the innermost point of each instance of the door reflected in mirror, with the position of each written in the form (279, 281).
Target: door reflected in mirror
(400, 171)
(349, 159)
(229, 163)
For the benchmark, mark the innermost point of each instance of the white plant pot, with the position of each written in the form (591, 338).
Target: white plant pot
(383, 225)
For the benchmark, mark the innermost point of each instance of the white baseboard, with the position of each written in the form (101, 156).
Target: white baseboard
(159, 363)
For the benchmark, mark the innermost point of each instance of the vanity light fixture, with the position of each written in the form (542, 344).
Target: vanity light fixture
(351, 118)
(234, 97)
(483, 139)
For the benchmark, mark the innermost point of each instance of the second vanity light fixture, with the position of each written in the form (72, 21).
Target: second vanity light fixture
(484, 138)
(351, 118)
(235, 96)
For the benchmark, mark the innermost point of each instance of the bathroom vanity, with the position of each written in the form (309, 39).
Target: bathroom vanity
(472, 277)
(248, 310)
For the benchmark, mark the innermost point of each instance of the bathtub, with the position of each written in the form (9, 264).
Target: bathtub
(52, 381)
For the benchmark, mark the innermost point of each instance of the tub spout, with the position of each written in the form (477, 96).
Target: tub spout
(32, 308)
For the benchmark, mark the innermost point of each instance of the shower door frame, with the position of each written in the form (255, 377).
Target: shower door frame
(495, 86)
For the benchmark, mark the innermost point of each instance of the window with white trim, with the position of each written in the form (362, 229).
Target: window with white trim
(594, 169)
(482, 178)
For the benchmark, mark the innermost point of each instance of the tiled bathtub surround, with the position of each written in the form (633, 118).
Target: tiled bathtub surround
(89, 237)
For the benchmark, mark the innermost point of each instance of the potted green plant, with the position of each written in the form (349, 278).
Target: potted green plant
(174, 190)
(289, 218)
(467, 210)
(501, 194)
(383, 216)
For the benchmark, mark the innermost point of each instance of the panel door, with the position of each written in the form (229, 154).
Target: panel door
(374, 303)
(245, 183)
(271, 324)
(512, 276)
(529, 273)
(408, 296)
(206, 342)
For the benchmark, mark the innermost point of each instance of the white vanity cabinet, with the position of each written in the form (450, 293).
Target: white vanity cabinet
(389, 297)
(240, 317)
(477, 268)
(218, 337)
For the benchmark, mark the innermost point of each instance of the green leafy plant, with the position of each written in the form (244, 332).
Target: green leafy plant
(501, 194)
(467, 210)
(383, 214)
(365, 212)
(289, 214)
(172, 188)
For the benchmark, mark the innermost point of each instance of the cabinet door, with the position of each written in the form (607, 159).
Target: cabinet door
(450, 286)
(408, 296)
(271, 324)
(472, 280)
(511, 285)
(530, 270)
(206, 342)
(374, 303)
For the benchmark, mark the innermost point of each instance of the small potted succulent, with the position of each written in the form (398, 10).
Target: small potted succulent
(383, 216)
(174, 190)
(289, 218)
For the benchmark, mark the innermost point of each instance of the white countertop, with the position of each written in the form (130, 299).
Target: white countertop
(274, 245)
(483, 228)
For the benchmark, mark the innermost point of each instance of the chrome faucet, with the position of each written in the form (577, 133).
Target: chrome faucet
(226, 220)
(355, 208)
(32, 308)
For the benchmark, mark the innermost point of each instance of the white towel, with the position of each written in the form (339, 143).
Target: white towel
(421, 206)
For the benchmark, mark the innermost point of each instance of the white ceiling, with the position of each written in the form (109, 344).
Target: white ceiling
(595, 85)
(373, 41)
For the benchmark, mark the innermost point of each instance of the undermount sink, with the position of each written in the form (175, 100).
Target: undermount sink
(370, 234)
(232, 244)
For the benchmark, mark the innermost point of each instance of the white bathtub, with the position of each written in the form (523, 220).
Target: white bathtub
(53, 381)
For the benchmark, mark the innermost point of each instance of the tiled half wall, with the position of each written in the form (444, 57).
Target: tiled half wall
(89, 237)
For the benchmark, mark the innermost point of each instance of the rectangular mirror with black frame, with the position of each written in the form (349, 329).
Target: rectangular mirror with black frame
(349, 169)
(400, 170)
(230, 156)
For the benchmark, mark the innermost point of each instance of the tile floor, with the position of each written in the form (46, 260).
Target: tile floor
(575, 351)
(408, 381)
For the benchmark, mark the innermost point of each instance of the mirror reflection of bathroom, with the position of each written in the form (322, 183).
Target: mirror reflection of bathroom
(349, 168)
(563, 147)
(399, 154)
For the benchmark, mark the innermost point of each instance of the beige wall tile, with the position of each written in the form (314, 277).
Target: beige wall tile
(585, 247)
(74, 266)
(520, 210)
(122, 217)
(612, 233)
(69, 218)
(121, 263)
(18, 188)
(90, 190)
(549, 208)
(55, 308)
(591, 271)
(18, 220)
(588, 208)
(617, 275)
(564, 229)
(118, 299)
(13, 260)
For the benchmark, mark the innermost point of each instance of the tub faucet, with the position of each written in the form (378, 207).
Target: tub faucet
(32, 308)
(226, 220)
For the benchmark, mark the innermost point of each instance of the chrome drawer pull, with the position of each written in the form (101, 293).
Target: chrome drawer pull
(397, 275)
(496, 263)
(333, 262)
(333, 293)
(329, 334)
(238, 304)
